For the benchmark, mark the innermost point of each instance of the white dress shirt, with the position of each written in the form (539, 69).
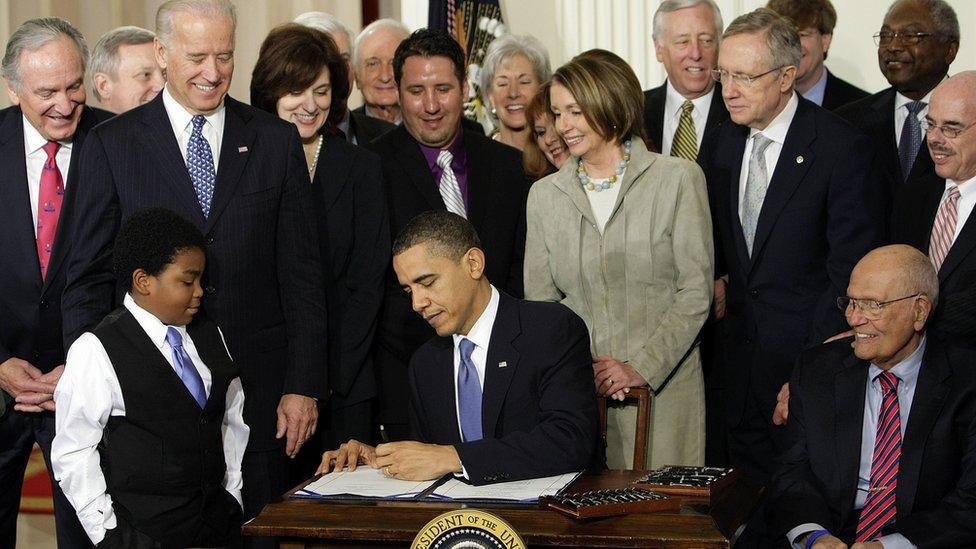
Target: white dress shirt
(776, 131)
(181, 119)
(967, 199)
(672, 115)
(901, 114)
(36, 158)
(89, 393)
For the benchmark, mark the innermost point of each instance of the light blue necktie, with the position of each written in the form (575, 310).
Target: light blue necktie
(469, 394)
(199, 160)
(755, 192)
(911, 138)
(184, 367)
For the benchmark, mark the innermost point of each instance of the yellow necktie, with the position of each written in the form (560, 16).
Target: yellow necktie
(685, 142)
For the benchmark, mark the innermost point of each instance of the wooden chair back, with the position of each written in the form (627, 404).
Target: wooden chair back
(643, 397)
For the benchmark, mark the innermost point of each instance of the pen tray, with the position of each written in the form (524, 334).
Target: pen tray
(605, 503)
(689, 481)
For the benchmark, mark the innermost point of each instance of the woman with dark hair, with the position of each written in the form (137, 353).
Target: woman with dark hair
(545, 153)
(623, 236)
(301, 77)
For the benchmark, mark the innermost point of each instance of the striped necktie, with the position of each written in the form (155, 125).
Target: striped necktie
(448, 185)
(944, 228)
(685, 142)
(879, 509)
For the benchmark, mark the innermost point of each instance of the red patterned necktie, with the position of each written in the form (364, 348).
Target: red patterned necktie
(879, 509)
(944, 228)
(48, 205)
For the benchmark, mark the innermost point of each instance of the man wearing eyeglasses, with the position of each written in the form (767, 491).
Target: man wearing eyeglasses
(934, 212)
(790, 188)
(882, 449)
(916, 44)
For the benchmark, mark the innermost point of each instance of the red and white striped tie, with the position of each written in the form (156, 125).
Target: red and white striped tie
(944, 228)
(879, 509)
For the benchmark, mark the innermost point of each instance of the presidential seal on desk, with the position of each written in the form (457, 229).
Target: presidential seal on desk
(467, 529)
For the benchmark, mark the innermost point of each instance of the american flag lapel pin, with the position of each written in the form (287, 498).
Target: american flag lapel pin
(503, 364)
(242, 149)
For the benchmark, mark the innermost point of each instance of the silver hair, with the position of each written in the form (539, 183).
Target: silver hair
(105, 55)
(504, 48)
(944, 17)
(921, 277)
(34, 34)
(674, 5)
(782, 40)
(377, 25)
(209, 8)
(325, 22)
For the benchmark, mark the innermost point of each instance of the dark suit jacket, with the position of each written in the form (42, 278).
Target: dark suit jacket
(817, 476)
(539, 414)
(816, 222)
(875, 116)
(263, 277)
(354, 237)
(497, 191)
(654, 100)
(839, 93)
(30, 308)
(915, 207)
(365, 128)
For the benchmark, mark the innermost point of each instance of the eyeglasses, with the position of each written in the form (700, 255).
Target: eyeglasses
(951, 132)
(871, 308)
(722, 76)
(884, 38)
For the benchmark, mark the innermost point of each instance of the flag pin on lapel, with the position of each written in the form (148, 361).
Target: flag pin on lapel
(242, 149)
(799, 159)
(503, 364)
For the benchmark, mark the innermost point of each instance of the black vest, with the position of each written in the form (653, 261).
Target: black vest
(163, 461)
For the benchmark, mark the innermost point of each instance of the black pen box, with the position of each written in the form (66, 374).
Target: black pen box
(707, 483)
(606, 503)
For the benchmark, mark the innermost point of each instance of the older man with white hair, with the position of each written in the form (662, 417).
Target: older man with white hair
(373, 67)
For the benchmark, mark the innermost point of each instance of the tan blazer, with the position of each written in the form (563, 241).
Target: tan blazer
(643, 286)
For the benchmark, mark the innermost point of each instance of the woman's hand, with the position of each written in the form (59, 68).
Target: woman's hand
(614, 378)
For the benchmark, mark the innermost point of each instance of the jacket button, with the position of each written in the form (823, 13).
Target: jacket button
(203, 421)
(210, 239)
(44, 304)
(210, 289)
(754, 293)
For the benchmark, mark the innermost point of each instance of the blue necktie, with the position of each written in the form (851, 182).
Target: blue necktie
(199, 160)
(911, 138)
(184, 367)
(469, 394)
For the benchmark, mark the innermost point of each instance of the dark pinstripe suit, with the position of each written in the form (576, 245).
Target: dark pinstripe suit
(263, 276)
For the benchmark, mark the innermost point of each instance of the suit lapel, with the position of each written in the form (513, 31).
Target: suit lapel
(961, 248)
(793, 164)
(655, 108)
(331, 183)
(15, 202)
(850, 384)
(640, 162)
(882, 119)
(568, 183)
(925, 195)
(731, 164)
(442, 414)
(501, 364)
(412, 160)
(235, 149)
(159, 134)
(716, 112)
(930, 393)
(479, 179)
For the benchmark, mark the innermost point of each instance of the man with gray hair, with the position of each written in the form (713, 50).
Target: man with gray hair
(356, 126)
(123, 69)
(373, 67)
(881, 446)
(679, 113)
(240, 176)
(790, 189)
(41, 137)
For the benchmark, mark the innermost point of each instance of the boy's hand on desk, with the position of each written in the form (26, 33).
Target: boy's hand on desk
(349, 454)
(411, 460)
(297, 417)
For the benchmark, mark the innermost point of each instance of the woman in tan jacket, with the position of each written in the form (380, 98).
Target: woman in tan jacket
(623, 237)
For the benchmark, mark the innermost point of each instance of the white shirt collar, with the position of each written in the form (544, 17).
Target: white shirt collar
(676, 100)
(155, 329)
(181, 118)
(967, 188)
(34, 141)
(480, 333)
(777, 129)
(901, 100)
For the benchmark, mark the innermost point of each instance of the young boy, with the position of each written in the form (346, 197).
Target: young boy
(149, 428)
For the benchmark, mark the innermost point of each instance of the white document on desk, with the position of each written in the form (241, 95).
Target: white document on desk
(522, 491)
(363, 482)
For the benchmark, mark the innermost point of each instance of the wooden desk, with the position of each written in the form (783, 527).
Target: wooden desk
(323, 523)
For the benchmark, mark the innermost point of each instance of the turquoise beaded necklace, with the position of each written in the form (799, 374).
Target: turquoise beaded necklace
(588, 184)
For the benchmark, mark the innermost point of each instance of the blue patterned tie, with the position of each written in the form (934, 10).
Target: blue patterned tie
(184, 367)
(911, 138)
(199, 160)
(469, 394)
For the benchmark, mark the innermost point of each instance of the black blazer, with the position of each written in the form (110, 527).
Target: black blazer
(875, 116)
(915, 207)
(654, 100)
(354, 237)
(365, 128)
(497, 191)
(840, 92)
(817, 476)
(539, 414)
(816, 222)
(263, 277)
(30, 308)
